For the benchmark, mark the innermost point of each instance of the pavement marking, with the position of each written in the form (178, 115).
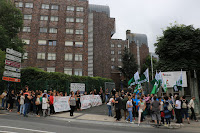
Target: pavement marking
(7, 132)
(26, 129)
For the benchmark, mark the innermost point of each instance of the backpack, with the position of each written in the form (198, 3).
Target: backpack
(184, 105)
(169, 107)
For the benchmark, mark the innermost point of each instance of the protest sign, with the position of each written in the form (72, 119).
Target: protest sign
(61, 104)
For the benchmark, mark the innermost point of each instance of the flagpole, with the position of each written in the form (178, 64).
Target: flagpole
(152, 66)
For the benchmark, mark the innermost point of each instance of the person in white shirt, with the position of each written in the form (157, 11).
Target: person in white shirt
(191, 106)
(178, 110)
(45, 105)
(109, 104)
(3, 96)
(22, 105)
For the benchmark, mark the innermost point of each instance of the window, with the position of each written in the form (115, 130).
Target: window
(68, 43)
(78, 72)
(54, 7)
(29, 5)
(54, 18)
(70, 8)
(68, 57)
(79, 9)
(68, 71)
(50, 69)
(112, 52)
(112, 45)
(112, 67)
(79, 20)
(112, 59)
(45, 18)
(119, 52)
(120, 66)
(27, 17)
(45, 6)
(26, 29)
(19, 4)
(68, 19)
(79, 32)
(52, 43)
(52, 30)
(78, 44)
(51, 56)
(119, 59)
(25, 56)
(43, 30)
(69, 31)
(78, 57)
(26, 41)
(42, 42)
(119, 45)
(40, 55)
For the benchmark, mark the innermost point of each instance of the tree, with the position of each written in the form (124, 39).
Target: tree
(129, 66)
(179, 48)
(10, 23)
(147, 64)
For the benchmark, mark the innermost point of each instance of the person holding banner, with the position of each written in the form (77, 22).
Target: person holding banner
(72, 103)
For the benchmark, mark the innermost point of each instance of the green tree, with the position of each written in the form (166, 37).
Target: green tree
(10, 23)
(147, 64)
(179, 48)
(129, 66)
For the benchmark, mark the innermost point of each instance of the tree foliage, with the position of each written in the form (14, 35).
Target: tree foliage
(129, 66)
(10, 23)
(179, 48)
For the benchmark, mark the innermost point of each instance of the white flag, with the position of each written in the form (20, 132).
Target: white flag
(136, 77)
(146, 73)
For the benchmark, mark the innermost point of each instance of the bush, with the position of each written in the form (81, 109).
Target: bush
(38, 79)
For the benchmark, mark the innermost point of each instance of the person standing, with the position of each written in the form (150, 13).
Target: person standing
(155, 107)
(78, 100)
(3, 96)
(45, 105)
(124, 105)
(38, 104)
(191, 106)
(21, 102)
(142, 107)
(72, 103)
(109, 105)
(184, 109)
(166, 111)
(27, 102)
(107, 95)
(11, 100)
(51, 100)
(118, 106)
(178, 110)
(129, 105)
(161, 110)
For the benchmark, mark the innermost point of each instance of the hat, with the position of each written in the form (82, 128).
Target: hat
(45, 91)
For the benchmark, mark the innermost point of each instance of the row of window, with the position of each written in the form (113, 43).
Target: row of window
(113, 59)
(54, 42)
(113, 67)
(53, 30)
(47, 6)
(54, 18)
(119, 52)
(68, 71)
(119, 45)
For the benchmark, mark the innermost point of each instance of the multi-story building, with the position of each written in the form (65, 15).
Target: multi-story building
(56, 33)
(74, 37)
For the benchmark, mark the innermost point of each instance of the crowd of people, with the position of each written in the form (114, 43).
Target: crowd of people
(162, 110)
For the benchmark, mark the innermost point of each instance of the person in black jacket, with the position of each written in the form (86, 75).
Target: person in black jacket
(118, 106)
(11, 100)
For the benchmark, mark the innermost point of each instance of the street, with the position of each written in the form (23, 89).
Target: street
(12, 123)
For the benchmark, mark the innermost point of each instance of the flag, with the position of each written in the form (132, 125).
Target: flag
(136, 77)
(144, 77)
(165, 86)
(131, 81)
(154, 90)
(179, 83)
(137, 88)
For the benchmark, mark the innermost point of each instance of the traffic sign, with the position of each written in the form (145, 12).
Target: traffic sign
(13, 58)
(12, 74)
(12, 69)
(13, 52)
(12, 63)
(11, 79)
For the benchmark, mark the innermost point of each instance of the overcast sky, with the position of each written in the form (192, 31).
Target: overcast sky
(151, 16)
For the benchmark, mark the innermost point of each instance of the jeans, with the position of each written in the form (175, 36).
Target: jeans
(109, 110)
(178, 115)
(106, 98)
(193, 114)
(3, 101)
(130, 116)
(22, 108)
(26, 108)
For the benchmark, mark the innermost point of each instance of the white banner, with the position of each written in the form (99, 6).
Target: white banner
(77, 86)
(61, 104)
(12, 74)
(88, 101)
(13, 52)
(13, 58)
(172, 77)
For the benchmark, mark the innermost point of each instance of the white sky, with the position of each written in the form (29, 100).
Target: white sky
(151, 16)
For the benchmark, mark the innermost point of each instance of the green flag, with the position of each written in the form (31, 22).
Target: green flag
(154, 90)
(137, 88)
(131, 81)
(165, 86)
(179, 83)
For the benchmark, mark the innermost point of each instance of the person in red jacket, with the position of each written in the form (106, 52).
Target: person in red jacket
(51, 103)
